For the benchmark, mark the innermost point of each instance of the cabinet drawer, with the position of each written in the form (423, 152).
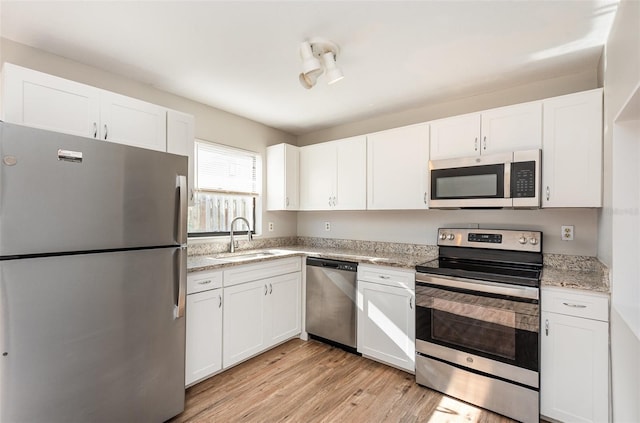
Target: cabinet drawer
(580, 304)
(262, 270)
(387, 276)
(203, 281)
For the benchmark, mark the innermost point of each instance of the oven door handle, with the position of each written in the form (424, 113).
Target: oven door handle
(526, 292)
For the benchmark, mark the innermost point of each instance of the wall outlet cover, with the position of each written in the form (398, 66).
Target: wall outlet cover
(566, 232)
(327, 226)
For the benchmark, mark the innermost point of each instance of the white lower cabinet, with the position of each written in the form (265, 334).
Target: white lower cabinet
(259, 314)
(244, 321)
(204, 326)
(386, 316)
(574, 373)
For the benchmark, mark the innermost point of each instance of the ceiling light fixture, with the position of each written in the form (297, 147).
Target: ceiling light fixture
(318, 56)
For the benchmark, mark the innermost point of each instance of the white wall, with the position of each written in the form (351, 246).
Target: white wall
(211, 124)
(420, 226)
(619, 221)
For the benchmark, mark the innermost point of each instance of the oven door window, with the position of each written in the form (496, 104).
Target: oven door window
(468, 182)
(501, 329)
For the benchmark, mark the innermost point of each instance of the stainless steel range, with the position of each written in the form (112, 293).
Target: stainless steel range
(478, 319)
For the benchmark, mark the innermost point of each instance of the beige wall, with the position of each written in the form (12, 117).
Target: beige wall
(211, 124)
(519, 94)
(621, 79)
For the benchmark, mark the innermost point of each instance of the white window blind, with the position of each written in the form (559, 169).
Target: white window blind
(225, 169)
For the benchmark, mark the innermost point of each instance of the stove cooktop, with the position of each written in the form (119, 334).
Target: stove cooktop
(508, 273)
(504, 256)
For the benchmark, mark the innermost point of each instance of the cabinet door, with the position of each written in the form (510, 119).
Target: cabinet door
(204, 335)
(512, 128)
(180, 140)
(574, 369)
(458, 136)
(397, 165)
(284, 307)
(282, 177)
(133, 122)
(318, 169)
(44, 101)
(244, 321)
(572, 150)
(351, 178)
(386, 324)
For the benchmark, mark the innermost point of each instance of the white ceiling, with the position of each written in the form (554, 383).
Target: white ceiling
(243, 57)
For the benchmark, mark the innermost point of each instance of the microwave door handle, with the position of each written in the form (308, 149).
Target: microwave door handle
(507, 180)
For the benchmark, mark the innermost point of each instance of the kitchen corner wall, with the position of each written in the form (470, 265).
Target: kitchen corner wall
(211, 124)
(420, 226)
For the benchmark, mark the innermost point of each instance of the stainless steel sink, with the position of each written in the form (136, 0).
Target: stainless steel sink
(247, 256)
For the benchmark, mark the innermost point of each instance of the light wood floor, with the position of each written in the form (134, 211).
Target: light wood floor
(312, 382)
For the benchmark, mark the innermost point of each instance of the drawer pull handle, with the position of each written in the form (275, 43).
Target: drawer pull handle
(575, 305)
(219, 301)
(204, 282)
(384, 277)
(411, 303)
(546, 327)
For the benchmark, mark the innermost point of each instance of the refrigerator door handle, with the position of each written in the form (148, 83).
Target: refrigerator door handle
(178, 311)
(181, 185)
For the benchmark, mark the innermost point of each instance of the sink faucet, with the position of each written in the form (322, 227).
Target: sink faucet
(232, 247)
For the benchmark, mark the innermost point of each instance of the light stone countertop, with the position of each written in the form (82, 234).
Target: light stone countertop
(216, 261)
(575, 272)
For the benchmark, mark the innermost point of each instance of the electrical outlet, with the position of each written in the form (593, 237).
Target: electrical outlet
(270, 226)
(327, 226)
(567, 233)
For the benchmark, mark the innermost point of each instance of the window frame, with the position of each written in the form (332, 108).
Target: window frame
(256, 196)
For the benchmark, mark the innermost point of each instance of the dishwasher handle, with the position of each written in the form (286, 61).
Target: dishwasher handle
(332, 264)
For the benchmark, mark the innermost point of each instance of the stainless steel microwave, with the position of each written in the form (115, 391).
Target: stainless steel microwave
(497, 180)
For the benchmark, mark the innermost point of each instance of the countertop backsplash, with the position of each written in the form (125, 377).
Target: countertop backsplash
(579, 272)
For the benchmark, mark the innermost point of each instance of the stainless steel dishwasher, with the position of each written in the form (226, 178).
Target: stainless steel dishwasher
(331, 301)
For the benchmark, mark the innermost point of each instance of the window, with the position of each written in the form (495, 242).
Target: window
(226, 186)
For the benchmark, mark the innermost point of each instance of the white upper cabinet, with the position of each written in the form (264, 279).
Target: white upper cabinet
(126, 120)
(48, 102)
(397, 166)
(457, 136)
(181, 139)
(500, 130)
(512, 128)
(572, 150)
(283, 167)
(333, 175)
(44, 101)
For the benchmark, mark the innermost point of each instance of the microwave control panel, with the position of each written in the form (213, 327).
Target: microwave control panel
(523, 179)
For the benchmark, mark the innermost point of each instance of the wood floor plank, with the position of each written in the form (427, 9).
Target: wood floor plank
(311, 382)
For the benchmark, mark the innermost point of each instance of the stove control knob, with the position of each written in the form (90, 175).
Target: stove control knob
(533, 241)
(443, 236)
(522, 240)
(451, 237)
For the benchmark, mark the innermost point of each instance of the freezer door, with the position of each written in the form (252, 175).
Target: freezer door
(61, 193)
(92, 338)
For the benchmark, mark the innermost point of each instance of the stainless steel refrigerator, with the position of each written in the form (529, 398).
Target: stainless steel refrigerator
(92, 279)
